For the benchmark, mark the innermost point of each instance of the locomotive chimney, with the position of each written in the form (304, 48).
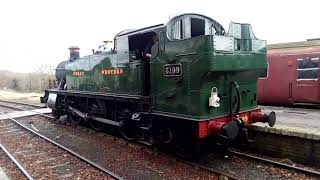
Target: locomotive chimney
(74, 53)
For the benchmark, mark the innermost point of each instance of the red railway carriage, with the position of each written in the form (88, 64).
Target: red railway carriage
(293, 74)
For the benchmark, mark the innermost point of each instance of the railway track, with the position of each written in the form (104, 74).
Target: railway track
(19, 166)
(19, 108)
(42, 153)
(232, 152)
(222, 174)
(18, 105)
(275, 163)
(22, 103)
(22, 107)
(209, 169)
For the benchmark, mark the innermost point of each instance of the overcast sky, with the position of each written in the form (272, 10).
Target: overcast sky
(35, 32)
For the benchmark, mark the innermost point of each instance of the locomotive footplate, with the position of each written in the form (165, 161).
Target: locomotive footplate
(100, 95)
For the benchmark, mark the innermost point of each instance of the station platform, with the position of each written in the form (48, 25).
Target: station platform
(297, 122)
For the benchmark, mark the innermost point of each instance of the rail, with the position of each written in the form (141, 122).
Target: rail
(99, 167)
(22, 103)
(279, 164)
(25, 104)
(236, 153)
(20, 167)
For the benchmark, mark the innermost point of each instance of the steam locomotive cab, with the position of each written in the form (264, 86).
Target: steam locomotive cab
(206, 74)
(183, 83)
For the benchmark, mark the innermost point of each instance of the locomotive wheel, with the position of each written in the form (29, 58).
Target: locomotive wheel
(96, 125)
(76, 120)
(56, 114)
(97, 108)
(128, 131)
(128, 127)
(163, 135)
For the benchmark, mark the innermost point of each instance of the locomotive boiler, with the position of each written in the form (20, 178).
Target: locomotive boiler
(185, 83)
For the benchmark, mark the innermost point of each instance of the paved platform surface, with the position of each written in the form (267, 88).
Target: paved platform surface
(3, 175)
(304, 123)
(18, 114)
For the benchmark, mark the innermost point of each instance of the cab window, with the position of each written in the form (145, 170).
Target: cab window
(122, 49)
(197, 27)
(177, 30)
(190, 26)
(139, 43)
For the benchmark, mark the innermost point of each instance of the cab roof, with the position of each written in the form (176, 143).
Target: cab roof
(158, 26)
(134, 31)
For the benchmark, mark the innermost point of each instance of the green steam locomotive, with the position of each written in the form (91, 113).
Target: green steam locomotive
(185, 83)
